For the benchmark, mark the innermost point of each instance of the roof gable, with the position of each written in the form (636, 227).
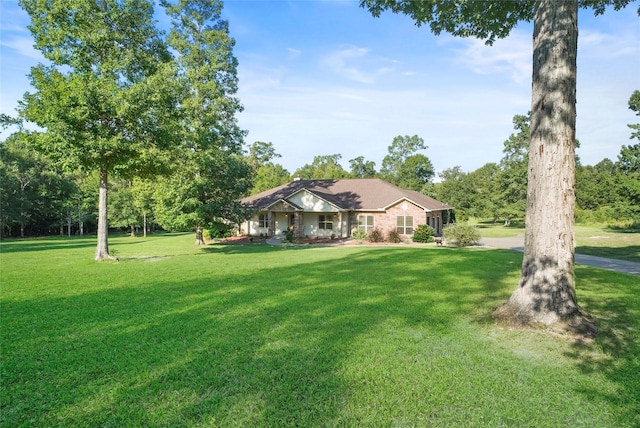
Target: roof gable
(309, 201)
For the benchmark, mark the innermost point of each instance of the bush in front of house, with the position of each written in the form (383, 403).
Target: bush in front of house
(461, 234)
(376, 235)
(394, 237)
(219, 230)
(288, 236)
(423, 233)
(359, 235)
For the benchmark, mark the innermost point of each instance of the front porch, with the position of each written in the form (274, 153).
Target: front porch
(303, 224)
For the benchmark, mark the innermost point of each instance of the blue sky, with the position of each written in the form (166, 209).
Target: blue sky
(325, 77)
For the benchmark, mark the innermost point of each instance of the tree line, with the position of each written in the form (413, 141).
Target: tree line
(40, 198)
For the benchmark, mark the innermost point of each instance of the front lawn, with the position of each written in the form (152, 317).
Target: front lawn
(253, 335)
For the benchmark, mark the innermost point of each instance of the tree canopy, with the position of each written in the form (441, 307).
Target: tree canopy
(105, 97)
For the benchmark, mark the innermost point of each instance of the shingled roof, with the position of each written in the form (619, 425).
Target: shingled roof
(367, 194)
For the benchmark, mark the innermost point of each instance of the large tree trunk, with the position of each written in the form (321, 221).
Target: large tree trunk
(546, 294)
(102, 250)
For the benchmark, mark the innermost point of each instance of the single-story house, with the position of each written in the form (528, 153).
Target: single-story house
(335, 208)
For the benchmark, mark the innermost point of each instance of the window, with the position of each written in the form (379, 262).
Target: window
(325, 222)
(404, 224)
(365, 222)
(262, 220)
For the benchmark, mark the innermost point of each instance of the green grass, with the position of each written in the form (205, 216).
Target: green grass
(175, 335)
(604, 242)
(590, 240)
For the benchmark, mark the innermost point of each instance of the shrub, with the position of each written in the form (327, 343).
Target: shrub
(376, 235)
(220, 230)
(423, 233)
(461, 234)
(289, 235)
(359, 235)
(206, 235)
(394, 237)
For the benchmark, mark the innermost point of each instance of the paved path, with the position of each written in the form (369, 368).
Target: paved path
(517, 243)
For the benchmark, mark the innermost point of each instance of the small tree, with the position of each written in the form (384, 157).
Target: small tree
(394, 237)
(461, 234)
(359, 235)
(104, 100)
(423, 233)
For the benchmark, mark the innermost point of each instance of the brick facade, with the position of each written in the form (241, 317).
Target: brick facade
(388, 221)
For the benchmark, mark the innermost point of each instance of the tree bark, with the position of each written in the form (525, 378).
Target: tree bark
(102, 250)
(546, 292)
(199, 237)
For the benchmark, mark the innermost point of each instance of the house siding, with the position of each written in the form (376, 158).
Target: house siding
(310, 202)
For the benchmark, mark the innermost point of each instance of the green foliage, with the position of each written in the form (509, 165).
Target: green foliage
(394, 237)
(289, 236)
(360, 168)
(322, 168)
(461, 234)
(359, 235)
(467, 18)
(634, 105)
(404, 167)
(219, 230)
(423, 233)
(206, 235)
(375, 235)
(261, 153)
(122, 210)
(268, 176)
(512, 180)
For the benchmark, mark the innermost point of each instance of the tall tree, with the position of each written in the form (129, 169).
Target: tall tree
(215, 174)
(361, 168)
(634, 105)
(266, 174)
(405, 167)
(415, 172)
(322, 168)
(103, 98)
(261, 153)
(512, 180)
(484, 186)
(629, 165)
(546, 291)
(270, 175)
(454, 189)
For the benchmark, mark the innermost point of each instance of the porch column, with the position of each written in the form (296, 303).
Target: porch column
(271, 221)
(297, 224)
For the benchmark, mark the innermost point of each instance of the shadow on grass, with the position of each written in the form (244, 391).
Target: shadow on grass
(260, 345)
(621, 229)
(629, 252)
(46, 244)
(616, 307)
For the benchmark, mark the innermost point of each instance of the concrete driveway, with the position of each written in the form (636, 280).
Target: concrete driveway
(517, 243)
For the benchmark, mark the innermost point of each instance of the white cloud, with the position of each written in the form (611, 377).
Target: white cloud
(510, 56)
(341, 63)
(293, 53)
(22, 45)
(596, 44)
